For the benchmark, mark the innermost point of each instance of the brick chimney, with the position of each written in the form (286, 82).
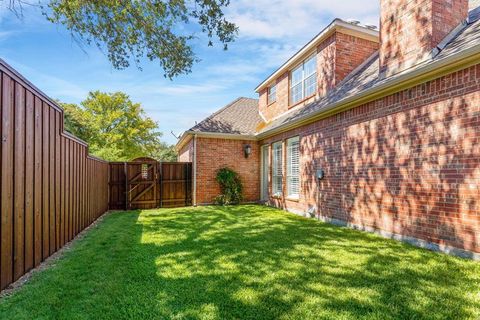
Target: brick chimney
(411, 29)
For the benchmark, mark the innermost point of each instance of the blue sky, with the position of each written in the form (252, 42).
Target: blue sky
(270, 32)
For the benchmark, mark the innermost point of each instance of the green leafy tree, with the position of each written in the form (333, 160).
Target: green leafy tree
(115, 128)
(165, 152)
(129, 30)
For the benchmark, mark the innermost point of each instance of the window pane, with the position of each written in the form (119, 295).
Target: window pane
(297, 76)
(277, 173)
(272, 94)
(311, 85)
(310, 66)
(296, 94)
(278, 185)
(293, 167)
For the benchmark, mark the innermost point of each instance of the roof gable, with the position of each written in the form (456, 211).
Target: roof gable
(241, 116)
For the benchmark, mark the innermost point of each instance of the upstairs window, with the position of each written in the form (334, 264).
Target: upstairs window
(272, 94)
(303, 80)
(293, 167)
(277, 166)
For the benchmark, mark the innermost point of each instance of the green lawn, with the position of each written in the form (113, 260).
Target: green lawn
(247, 262)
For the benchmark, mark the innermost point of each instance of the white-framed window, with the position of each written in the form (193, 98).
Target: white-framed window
(277, 169)
(303, 80)
(293, 167)
(272, 94)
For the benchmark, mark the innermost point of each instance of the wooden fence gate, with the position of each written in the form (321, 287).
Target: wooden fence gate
(146, 184)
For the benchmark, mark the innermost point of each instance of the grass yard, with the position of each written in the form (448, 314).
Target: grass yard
(247, 262)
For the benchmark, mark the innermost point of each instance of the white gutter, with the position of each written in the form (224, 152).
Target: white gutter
(194, 195)
(419, 75)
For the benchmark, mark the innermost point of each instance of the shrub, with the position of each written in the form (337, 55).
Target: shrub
(230, 186)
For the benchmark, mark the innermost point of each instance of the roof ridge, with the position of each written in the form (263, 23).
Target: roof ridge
(248, 98)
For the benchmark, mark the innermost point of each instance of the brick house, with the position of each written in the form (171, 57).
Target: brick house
(376, 130)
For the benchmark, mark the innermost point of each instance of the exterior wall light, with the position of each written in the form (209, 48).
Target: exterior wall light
(247, 149)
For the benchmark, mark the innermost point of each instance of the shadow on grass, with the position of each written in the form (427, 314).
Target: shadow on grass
(247, 262)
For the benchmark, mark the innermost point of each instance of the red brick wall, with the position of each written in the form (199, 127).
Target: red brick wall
(447, 15)
(326, 64)
(407, 164)
(410, 29)
(186, 153)
(213, 154)
(351, 53)
(337, 57)
(271, 110)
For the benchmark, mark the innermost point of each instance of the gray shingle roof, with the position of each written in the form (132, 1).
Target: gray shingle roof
(367, 76)
(238, 117)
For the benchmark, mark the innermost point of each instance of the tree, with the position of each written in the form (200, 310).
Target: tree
(129, 30)
(115, 128)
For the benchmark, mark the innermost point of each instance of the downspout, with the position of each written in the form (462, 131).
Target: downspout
(195, 170)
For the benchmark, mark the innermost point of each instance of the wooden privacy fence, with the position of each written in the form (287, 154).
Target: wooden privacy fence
(145, 183)
(51, 189)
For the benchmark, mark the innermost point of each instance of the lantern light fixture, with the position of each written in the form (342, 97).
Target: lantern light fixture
(247, 149)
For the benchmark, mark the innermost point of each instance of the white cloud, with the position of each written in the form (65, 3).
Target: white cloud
(278, 19)
(178, 90)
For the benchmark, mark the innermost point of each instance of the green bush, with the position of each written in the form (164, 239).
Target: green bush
(231, 187)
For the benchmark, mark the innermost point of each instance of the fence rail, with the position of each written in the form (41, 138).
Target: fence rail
(51, 189)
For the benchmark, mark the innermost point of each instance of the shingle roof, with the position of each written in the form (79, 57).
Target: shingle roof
(368, 76)
(238, 117)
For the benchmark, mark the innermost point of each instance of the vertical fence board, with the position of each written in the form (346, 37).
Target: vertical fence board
(29, 180)
(45, 184)
(19, 184)
(51, 178)
(75, 188)
(70, 191)
(63, 191)
(80, 191)
(6, 263)
(57, 185)
(37, 187)
(68, 210)
(84, 200)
